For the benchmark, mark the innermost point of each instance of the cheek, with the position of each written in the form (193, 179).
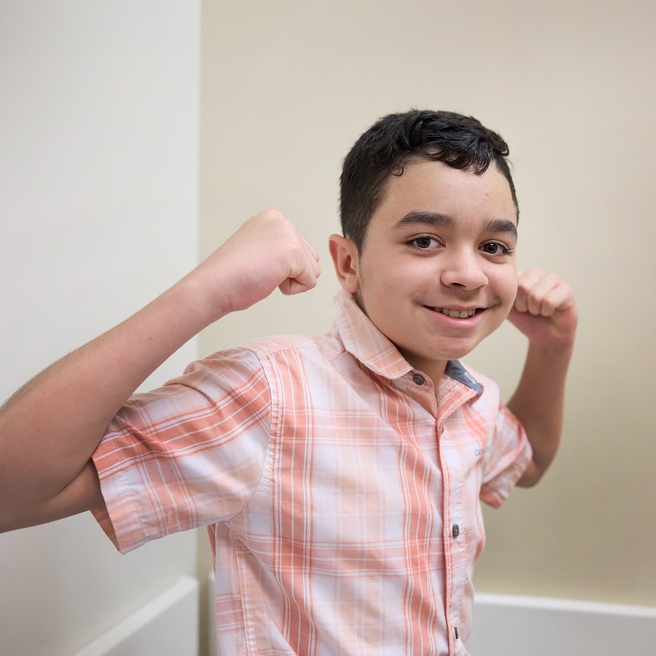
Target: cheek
(506, 286)
(511, 294)
(506, 292)
(379, 279)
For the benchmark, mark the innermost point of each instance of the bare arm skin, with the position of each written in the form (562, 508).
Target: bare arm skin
(52, 425)
(545, 311)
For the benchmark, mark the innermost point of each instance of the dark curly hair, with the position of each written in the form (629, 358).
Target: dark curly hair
(459, 141)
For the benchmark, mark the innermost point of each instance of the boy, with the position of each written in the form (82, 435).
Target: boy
(339, 476)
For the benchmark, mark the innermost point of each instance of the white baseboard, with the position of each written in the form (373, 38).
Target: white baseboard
(510, 625)
(166, 626)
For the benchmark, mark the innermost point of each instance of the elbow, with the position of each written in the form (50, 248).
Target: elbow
(532, 475)
(526, 481)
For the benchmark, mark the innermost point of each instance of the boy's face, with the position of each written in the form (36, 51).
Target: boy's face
(437, 271)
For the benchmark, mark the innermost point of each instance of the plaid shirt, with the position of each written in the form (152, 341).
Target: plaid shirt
(341, 498)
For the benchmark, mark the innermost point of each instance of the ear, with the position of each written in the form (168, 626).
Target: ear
(346, 261)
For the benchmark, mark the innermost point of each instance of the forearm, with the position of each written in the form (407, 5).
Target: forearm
(51, 426)
(539, 403)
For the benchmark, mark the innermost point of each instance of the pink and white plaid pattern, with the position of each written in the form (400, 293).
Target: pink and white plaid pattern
(342, 500)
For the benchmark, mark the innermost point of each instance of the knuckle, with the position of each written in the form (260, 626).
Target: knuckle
(272, 214)
(534, 298)
(554, 279)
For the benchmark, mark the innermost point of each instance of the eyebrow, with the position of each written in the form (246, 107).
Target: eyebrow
(438, 220)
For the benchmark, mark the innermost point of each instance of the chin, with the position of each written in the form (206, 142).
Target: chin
(456, 353)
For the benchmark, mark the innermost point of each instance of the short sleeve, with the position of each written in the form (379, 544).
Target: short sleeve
(506, 458)
(188, 454)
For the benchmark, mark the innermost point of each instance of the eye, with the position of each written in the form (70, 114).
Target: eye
(496, 248)
(424, 243)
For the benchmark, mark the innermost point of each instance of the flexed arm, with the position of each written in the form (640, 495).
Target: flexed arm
(52, 425)
(545, 311)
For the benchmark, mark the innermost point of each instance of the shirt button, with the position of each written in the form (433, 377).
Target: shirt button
(418, 379)
(455, 530)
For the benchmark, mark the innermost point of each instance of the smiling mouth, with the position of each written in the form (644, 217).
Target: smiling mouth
(456, 314)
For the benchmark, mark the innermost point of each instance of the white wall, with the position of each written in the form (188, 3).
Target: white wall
(288, 87)
(98, 214)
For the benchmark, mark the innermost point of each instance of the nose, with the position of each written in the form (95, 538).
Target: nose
(463, 269)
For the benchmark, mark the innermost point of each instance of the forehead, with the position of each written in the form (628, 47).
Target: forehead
(434, 187)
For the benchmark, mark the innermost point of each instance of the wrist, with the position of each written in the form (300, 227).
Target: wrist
(198, 308)
(563, 349)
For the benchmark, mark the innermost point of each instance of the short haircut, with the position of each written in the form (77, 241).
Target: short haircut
(459, 141)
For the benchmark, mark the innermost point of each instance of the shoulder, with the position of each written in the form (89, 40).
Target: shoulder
(268, 346)
(307, 348)
(262, 354)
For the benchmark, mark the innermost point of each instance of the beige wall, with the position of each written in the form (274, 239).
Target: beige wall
(286, 89)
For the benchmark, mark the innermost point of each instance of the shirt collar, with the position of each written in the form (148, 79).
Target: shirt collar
(454, 369)
(365, 342)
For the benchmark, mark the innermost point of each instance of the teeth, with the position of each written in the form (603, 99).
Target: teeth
(457, 314)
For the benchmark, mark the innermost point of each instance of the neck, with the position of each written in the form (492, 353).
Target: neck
(432, 368)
